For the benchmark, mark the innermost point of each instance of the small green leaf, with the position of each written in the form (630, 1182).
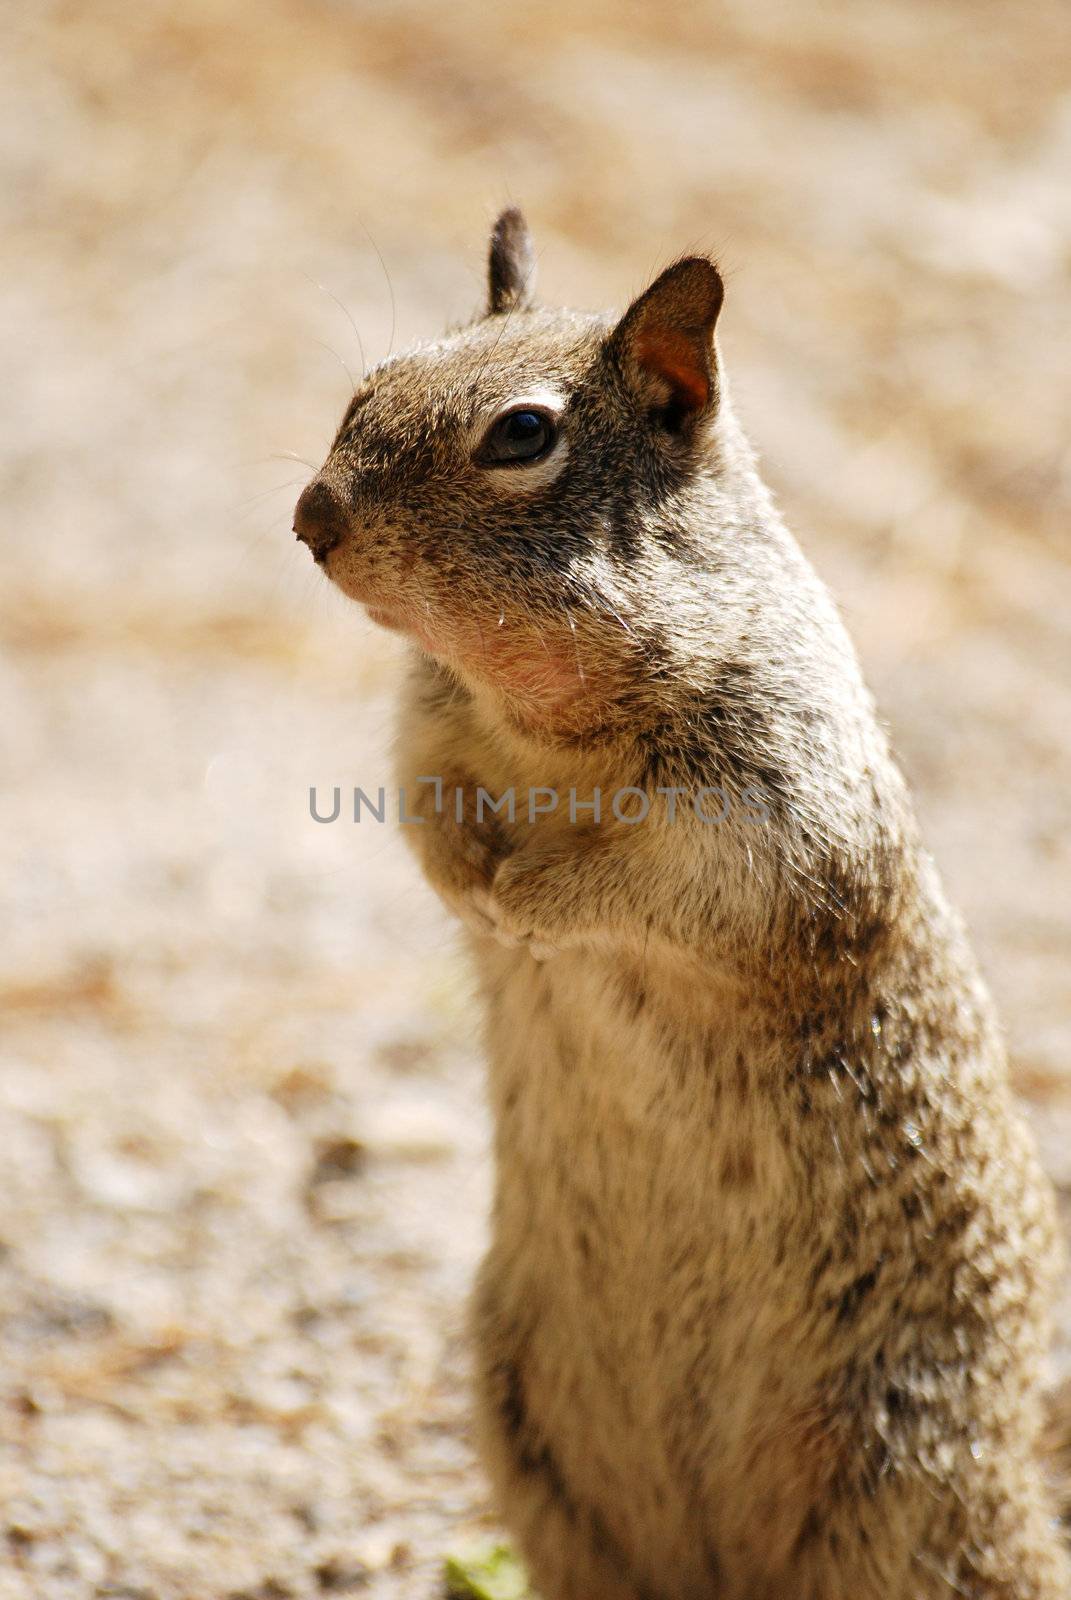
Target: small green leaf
(486, 1572)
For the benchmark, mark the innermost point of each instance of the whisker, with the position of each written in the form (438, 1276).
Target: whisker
(331, 351)
(262, 494)
(390, 286)
(346, 313)
(423, 594)
(576, 643)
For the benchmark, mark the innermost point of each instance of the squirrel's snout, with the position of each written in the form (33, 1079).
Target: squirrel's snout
(320, 518)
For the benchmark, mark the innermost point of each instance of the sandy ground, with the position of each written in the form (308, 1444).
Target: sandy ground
(243, 1138)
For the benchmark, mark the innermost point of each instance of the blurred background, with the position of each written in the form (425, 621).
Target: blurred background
(241, 1118)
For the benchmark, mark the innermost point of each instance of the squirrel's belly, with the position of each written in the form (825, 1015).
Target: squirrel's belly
(634, 1264)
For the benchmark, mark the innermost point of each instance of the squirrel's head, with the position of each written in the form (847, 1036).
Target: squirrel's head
(511, 495)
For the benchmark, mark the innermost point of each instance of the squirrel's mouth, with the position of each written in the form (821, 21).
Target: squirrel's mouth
(396, 618)
(406, 622)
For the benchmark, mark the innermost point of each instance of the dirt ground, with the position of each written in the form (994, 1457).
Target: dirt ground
(244, 1172)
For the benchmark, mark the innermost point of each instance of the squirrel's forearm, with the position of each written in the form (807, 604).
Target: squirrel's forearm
(598, 882)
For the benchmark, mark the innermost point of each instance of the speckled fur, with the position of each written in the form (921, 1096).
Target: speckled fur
(765, 1308)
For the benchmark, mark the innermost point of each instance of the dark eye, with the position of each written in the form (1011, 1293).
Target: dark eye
(520, 436)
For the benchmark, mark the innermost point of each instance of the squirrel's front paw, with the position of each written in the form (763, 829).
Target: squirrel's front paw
(531, 896)
(494, 919)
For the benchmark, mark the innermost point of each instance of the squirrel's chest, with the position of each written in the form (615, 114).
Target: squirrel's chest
(632, 1133)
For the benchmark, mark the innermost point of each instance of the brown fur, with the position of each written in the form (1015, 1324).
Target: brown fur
(765, 1308)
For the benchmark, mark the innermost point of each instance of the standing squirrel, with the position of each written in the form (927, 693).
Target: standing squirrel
(765, 1311)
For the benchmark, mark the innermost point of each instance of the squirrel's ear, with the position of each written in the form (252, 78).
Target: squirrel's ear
(664, 344)
(511, 266)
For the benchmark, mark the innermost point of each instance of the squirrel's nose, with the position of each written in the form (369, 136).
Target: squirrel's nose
(320, 517)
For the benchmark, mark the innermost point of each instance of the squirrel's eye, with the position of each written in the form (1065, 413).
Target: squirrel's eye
(520, 436)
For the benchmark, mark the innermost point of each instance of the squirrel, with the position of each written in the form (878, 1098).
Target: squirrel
(765, 1310)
